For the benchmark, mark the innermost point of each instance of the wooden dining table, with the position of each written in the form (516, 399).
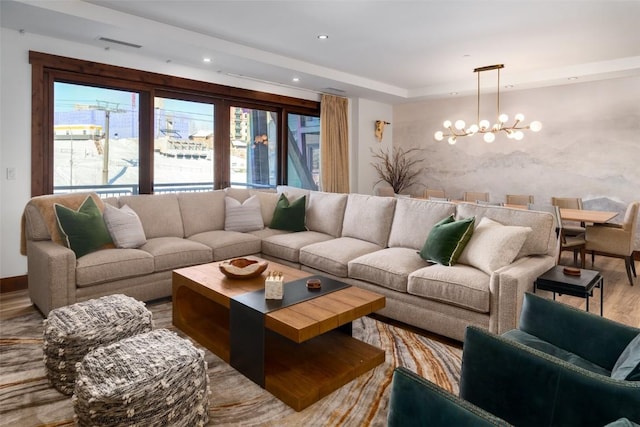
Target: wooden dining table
(583, 215)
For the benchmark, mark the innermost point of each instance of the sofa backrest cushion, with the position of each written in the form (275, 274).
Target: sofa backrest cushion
(203, 211)
(413, 220)
(325, 212)
(268, 202)
(159, 213)
(368, 218)
(542, 239)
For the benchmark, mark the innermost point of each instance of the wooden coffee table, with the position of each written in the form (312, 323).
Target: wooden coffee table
(307, 348)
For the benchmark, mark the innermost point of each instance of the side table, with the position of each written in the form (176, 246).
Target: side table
(556, 281)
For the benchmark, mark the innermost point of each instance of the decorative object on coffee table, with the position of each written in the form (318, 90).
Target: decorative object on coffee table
(73, 331)
(314, 284)
(152, 379)
(243, 268)
(577, 284)
(273, 286)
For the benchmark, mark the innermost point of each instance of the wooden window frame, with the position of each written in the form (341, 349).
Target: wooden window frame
(47, 69)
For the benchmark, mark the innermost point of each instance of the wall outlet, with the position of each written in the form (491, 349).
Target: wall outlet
(11, 174)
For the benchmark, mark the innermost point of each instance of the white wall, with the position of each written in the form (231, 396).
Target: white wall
(589, 145)
(15, 119)
(366, 113)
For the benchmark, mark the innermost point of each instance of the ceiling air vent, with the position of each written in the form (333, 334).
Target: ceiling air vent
(120, 42)
(333, 89)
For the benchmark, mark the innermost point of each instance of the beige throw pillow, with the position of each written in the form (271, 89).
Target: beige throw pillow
(493, 245)
(124, 226)
(243, 217)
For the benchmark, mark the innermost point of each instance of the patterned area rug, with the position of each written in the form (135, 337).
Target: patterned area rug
(26, 398)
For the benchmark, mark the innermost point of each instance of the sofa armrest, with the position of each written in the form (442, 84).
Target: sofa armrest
(416, 401)
(508, 286)
(591, 337)
(527, 387)
(51, 274)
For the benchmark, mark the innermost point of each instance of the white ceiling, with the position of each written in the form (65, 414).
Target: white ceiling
(391, 51)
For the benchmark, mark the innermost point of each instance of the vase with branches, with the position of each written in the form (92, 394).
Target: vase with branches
(398, 167)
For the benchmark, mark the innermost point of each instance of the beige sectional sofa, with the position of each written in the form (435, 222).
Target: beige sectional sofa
(367, 241)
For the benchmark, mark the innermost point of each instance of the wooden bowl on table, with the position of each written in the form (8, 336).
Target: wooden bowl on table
(243, 268)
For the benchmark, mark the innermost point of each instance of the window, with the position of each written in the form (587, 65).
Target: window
(183, 145)
(303, 157)
(95, 139)
(254, 148)
(116, 130)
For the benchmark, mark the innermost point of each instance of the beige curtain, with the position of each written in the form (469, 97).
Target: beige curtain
(334, 144)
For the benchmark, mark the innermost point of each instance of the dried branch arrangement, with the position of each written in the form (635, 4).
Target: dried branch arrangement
(397, 167)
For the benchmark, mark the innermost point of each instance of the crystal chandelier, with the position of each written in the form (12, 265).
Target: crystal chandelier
(458, 128)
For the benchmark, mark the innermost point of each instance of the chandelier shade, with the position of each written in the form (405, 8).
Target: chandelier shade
(459, 129)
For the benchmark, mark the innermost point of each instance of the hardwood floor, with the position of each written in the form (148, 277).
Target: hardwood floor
(621, 300)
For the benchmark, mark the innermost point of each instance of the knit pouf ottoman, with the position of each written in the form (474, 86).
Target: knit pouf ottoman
(73, 331)
(152, 379)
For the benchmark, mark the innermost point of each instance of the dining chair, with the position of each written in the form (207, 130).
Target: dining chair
(485, 203)
(474, 196)
(571, 228)
(615, 240)
(519, 199)
(569, 243)
(429, 193)
(383, 188)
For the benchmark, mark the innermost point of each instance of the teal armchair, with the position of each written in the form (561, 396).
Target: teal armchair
(555, 370)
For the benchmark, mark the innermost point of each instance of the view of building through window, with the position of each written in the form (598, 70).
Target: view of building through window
(95, 140)
(183, 145)
(96, 144)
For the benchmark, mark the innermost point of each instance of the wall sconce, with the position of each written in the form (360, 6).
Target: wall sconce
(380, 124)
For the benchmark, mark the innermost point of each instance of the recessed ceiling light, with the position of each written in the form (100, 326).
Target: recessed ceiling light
(322, 36)
(206, 60)
(572, 78)
(453, 93)
(296, 79)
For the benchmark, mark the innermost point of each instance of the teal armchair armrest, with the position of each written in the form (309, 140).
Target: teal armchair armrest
(591, 337)
(527, 387)
(416, 401)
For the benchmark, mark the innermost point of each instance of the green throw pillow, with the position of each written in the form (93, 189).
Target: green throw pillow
(289, 216)
(447, 240)
(83, 230)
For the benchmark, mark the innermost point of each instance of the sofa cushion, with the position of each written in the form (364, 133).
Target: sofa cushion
(268, 202)
(368, 218)
(240, 194)
(83, 230)
(333, 256)
(159, 213)
(389, 267)
(124, 226)
(493, 245)
(325, 212)
(288, 215)
(202, 211)
(229, 244)
(243, 217)
(170, 253)
(627, 366)
(447, 240)
(287, 246)
(541, 241)
(459, 285)
(413, 220)
(548, 348)
(108, 265)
